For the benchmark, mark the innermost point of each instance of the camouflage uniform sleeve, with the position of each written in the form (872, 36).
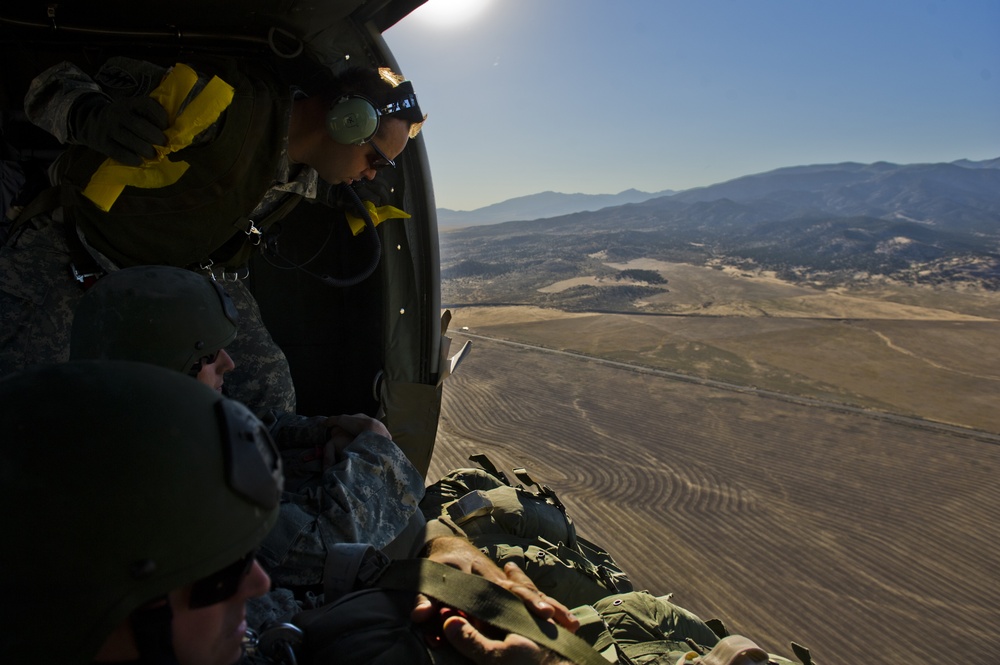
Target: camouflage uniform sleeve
(290, 430)
(369, 496)
(51, 95)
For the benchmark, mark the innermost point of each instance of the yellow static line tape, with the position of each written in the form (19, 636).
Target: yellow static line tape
(379, 215)
(111, 177)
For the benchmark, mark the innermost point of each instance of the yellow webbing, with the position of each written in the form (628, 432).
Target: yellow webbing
(111, 177)
(379, 215)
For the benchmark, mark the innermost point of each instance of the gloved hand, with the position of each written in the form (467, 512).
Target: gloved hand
(123, 129)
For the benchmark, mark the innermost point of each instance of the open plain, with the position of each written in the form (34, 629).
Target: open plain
(866, 537)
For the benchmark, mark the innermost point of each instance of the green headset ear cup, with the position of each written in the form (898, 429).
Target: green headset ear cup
(352, 120)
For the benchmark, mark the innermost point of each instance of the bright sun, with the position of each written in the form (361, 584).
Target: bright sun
(449, 13)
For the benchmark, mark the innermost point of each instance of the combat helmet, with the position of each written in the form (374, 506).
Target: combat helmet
(121, 481)
(162, 315)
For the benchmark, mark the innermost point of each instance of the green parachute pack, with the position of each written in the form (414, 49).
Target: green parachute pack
(531, 528)
(527, 524)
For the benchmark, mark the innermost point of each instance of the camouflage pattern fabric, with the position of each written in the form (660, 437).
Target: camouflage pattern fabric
(368, 496)
(52, 93)
(37, 296)
(262, 379)
(291, 430)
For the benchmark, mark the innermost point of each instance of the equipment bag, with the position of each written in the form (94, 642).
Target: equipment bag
(531, 528)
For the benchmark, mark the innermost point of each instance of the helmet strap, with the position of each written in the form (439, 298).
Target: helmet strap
(153, 637)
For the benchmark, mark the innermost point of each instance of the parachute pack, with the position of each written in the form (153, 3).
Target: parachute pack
(527, 523)
(531, 528)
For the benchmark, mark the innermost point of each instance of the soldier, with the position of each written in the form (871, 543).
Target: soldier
(333, 518)
(273, 147)
(345, 478)
(169, 317)
(181, 315)
(138, 519)
(139, 499)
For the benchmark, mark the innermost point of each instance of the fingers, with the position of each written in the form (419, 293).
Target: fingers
(540, 604)
(478, 648)
(423, 609)
(360, 422)
(150, 110)
(141, 121)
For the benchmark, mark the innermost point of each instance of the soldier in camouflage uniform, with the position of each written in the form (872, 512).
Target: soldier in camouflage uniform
(271, 149)
(148, 557)
(346, 481)
(149, 553)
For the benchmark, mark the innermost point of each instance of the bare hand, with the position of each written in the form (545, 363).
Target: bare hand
(459, 553)
(513, 649)
(344, 429)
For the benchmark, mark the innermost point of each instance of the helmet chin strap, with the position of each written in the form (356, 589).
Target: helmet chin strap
(153, 636)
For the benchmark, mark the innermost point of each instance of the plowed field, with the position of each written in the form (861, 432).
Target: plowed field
(867, 540)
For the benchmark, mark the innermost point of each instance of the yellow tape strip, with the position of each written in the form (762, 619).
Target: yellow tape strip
(112, 177)
(379, 215)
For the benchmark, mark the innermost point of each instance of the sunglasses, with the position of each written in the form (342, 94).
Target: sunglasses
(204, 361)
(379, 160)
(221, 585)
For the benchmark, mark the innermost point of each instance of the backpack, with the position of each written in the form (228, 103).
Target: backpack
(531, 528)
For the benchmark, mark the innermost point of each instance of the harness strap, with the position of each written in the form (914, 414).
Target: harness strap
(484, 600)
(543, 490)
(487, 464)
(83, 266)
(46, 201)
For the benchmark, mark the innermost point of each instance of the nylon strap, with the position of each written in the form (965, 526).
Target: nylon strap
(490, 468)
(46, 201)
(485, 600)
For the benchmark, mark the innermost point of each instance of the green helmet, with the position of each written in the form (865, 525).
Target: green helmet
(162, 315)
(121, 481)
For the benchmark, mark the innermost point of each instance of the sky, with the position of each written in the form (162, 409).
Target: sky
(599, 96)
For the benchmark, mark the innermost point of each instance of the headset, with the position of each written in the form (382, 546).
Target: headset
(354, 119)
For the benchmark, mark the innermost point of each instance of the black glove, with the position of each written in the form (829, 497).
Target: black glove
(123, 129)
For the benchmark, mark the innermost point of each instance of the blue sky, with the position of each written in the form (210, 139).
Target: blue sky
(598, 96)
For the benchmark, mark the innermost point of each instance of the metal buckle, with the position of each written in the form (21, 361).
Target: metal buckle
(253, 234)
(240, 273)
(87, 279)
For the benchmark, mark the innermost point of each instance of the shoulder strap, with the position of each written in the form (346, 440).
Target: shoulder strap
(46, 201)
(484, 600)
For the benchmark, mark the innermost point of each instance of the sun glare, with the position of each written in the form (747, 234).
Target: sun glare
(449, 13)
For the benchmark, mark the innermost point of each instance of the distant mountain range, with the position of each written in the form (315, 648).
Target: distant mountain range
(928, 223)
(535, 206)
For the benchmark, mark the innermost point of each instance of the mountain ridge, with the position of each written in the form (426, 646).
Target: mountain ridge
(540, 205)
(827, 225)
